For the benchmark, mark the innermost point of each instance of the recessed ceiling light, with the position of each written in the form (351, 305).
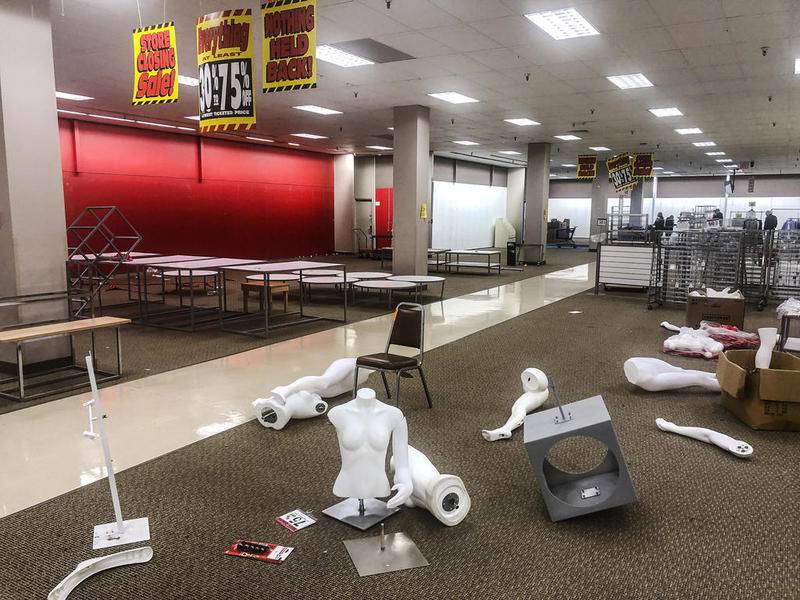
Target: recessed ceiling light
(563, 23)
(390, 128)
(155, 124)
(731, 166)
(320, 110)
(453, 97)
(71, 112)
(797, 66)
(567, 165)
(379, 148)
(568, 137)
(658, 168)
(669, 172)
(627, 82)
(522, 122)
(187, 128)
(716, 153)
(724, 160)
(293, 144)
(465, 143)
(68, 96)
(599, 148)
(110, 118)
(310, 136)
(688, 131)
(258, 139)
(510, 152)
(340, 58)
(190, 81)
(193, 118)
(666, 112)
(703, 144)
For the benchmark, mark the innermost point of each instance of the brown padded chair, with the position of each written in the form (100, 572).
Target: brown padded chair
(408, 330)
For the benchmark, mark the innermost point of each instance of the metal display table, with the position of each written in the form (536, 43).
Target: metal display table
(321, 273)
(260, 324)
(336, 281)
(386, 285)
(420, 280)
(489, 264)
(370, 275)
(434, 256)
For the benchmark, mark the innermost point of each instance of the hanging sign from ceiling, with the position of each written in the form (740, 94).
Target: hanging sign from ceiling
(225, 70)
(643, 165)
(155, 65)
(620, 172)
(289, 45)
(587, 166)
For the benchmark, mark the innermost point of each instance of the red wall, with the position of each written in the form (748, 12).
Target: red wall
(191, 195)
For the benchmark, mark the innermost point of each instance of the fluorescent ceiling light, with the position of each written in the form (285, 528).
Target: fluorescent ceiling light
(658, 168)
(340, 58)
(191, 81)
(703, 144)
(510, 152)
(563, 23)
(797, 66)
(110, 118)
(715, 153)
(320, 110)
(390, 128)
(568, 137)
(567, 165)
(689, 131)
(310, 136)
(187, 128)
(731, 166)
(293, 144)
(465, 143)
(156, 124)
(627, 82)
(193, 118)
(258, 139)
(666, 112)
(599, 148)
(68, 96)
(669, 173)
(71, 112)
(453, 97)
(724, 160)
(379, 148)
(522, 122)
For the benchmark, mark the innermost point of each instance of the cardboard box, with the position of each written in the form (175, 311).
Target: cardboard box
(727, 311)
(761, 398)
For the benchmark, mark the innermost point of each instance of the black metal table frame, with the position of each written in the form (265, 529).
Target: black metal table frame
(487, 253)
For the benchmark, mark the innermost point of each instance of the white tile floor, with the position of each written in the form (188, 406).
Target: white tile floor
(43, 451)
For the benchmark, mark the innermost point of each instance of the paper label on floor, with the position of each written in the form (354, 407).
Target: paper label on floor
(295, 520)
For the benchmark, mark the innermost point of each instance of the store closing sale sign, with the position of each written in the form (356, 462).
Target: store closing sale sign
(225, 70)
(289, 45)
(155, 65)
(587, 166)
(642, 165)
(620, 172)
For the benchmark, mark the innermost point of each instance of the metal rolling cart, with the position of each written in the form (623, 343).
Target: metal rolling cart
(782, 266)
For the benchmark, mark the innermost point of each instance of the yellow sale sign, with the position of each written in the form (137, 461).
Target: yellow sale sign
(155, 65)
(289, 45)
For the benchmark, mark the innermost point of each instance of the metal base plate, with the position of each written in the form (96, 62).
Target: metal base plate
(134, 530)
(346, 511)
(400, 553)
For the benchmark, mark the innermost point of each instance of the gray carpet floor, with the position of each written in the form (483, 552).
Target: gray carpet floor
(707, 526)
(149, 350)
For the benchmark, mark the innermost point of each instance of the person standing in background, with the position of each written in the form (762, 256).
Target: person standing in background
(770, 221)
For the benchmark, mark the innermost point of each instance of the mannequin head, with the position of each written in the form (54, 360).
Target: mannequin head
(533, 380)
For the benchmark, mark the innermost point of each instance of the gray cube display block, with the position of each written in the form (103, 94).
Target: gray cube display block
(568, 495)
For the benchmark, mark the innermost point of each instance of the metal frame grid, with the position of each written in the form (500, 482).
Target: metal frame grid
(783, 266)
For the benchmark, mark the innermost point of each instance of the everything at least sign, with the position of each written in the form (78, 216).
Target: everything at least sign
(289, 45)
(155, 65)
(620, 172)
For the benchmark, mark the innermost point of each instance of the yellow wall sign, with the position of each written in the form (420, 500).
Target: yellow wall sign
(225, 70)
(423, 211)
(289, 45)
(155, 65)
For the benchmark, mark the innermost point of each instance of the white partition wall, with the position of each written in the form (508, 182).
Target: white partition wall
(464, 214)
(577, 210)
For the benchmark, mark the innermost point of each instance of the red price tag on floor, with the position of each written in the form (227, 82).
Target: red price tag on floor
(295, 520)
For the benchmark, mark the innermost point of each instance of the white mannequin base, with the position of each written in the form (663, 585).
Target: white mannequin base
(133, 530)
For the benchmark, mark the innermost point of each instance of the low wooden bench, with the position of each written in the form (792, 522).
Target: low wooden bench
(253, 285)
(30, 333)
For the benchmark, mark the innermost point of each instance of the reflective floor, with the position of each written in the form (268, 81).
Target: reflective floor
(44, 453)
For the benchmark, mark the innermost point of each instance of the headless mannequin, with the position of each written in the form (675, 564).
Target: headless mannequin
(364, 426)
(302, 399)
(768, 337)
(655, 375)
(709, 436)
(534, 384)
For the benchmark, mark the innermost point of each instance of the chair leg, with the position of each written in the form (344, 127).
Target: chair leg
(425, 387)
(386, 385)
(397, 387)
(355, 381)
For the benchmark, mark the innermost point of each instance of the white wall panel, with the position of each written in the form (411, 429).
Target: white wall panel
(464, 214)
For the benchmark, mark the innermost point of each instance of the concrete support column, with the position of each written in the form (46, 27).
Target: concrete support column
(537, 197)
(344, 202)
(599, 202)
(636, 198)
(32, 222)
(412, 189)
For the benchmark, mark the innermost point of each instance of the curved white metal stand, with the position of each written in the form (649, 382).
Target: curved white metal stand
(769, 337)
(534, 384)
(444, 496)
(302, 399)
(738, 448)
(90, 567)
(655, 375)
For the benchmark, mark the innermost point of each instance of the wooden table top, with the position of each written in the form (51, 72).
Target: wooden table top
(32, 332)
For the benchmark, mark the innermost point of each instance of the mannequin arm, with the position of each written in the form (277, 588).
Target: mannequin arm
(769, 337)
(402, 473)
(709, 436)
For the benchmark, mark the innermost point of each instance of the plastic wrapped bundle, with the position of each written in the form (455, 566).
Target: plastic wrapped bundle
(730, 336)
(693, 342)
(789, 307)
